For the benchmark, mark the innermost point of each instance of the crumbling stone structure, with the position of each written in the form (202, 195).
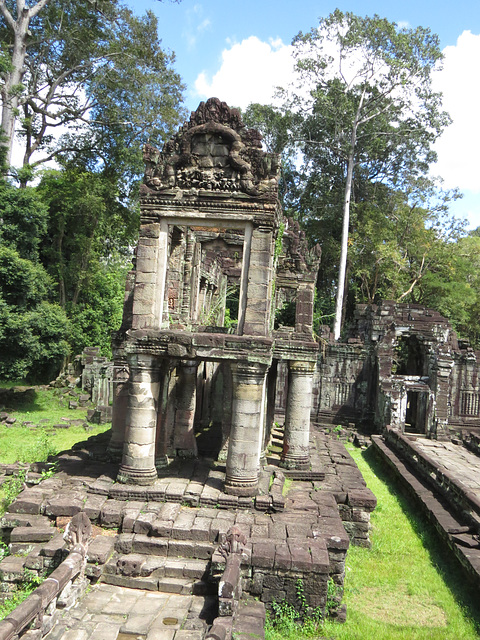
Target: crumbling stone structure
(403, 366)
(197, 356)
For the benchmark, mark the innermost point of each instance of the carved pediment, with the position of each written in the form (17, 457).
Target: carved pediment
(214, 151)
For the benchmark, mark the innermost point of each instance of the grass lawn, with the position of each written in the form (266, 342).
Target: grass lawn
(407, 586)
(35, 444)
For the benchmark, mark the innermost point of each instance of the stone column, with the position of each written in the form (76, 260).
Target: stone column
(245, 435)
(297, 419)
(186, 392)
(259, 290)
(119, 410)
(138, 462)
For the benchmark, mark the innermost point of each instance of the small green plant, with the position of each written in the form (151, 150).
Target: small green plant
(4, 552)
(333, 597)
(11, 488)
(30, 582)
(288, 621)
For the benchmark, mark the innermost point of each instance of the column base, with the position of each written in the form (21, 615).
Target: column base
(302, 464)
(129, 475)
(242, 488)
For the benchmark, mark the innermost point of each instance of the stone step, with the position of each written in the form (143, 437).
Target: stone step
(164, 547)
(249, 620)
(154, 573)
(135, 564)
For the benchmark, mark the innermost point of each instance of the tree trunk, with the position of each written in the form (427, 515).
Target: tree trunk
(11, 90)
(346, 221)
(344, 250)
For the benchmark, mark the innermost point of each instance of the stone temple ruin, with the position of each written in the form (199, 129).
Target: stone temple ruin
(401, 366)
(197, 357)
(220, 394)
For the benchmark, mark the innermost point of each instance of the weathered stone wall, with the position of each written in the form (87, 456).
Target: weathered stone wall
(341, 384)
(401, 366)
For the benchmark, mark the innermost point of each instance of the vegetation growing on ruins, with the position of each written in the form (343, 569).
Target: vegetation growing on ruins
(65, 244)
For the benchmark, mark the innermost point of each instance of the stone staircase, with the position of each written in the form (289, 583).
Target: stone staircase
(156, 573)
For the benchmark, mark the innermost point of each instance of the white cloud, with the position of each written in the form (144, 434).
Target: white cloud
(250, 72)
(458, 146)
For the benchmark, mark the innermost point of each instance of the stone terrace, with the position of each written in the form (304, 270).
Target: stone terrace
(165, 538)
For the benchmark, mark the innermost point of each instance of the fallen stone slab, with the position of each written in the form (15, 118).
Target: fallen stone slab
(32, 534)
(67, 504)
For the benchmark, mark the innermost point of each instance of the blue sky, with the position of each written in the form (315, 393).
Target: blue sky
(238, 50)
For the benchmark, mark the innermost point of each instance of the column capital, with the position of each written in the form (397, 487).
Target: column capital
(143, 361)
(248, 372)
(302, 367)
(188, 364)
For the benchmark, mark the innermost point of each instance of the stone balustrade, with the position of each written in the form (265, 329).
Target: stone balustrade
(37, 614)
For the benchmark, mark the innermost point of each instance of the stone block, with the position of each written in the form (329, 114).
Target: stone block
(301, 558)
(320, 558)
(171, 585)
(273, 595)
(201, 529)
(124, 543)
(362, 498)
(147, 545)
(283, 557)
(12, 569)
(111, 513)
(55, 548)
(144, 521)
(32, 534)
(131, 564)
(203, 550)
(183, 524)
(29, 501)
(181, 548)
(130, 514)
(66, 504)
(100, 549)
(93, 506)
(263, 555)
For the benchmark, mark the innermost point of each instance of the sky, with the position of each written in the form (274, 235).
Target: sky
(239, 51)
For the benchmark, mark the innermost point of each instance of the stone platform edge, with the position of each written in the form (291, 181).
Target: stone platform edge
(454, 532)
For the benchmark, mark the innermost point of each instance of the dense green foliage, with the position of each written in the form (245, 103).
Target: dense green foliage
(98, 71)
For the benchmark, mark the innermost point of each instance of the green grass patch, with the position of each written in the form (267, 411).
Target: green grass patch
(30, 583)
(407, 587)
(20, 443)
(35, 444)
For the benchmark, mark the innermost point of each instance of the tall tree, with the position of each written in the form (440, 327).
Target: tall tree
(13, 69)
(92, 70)
(370, 113)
